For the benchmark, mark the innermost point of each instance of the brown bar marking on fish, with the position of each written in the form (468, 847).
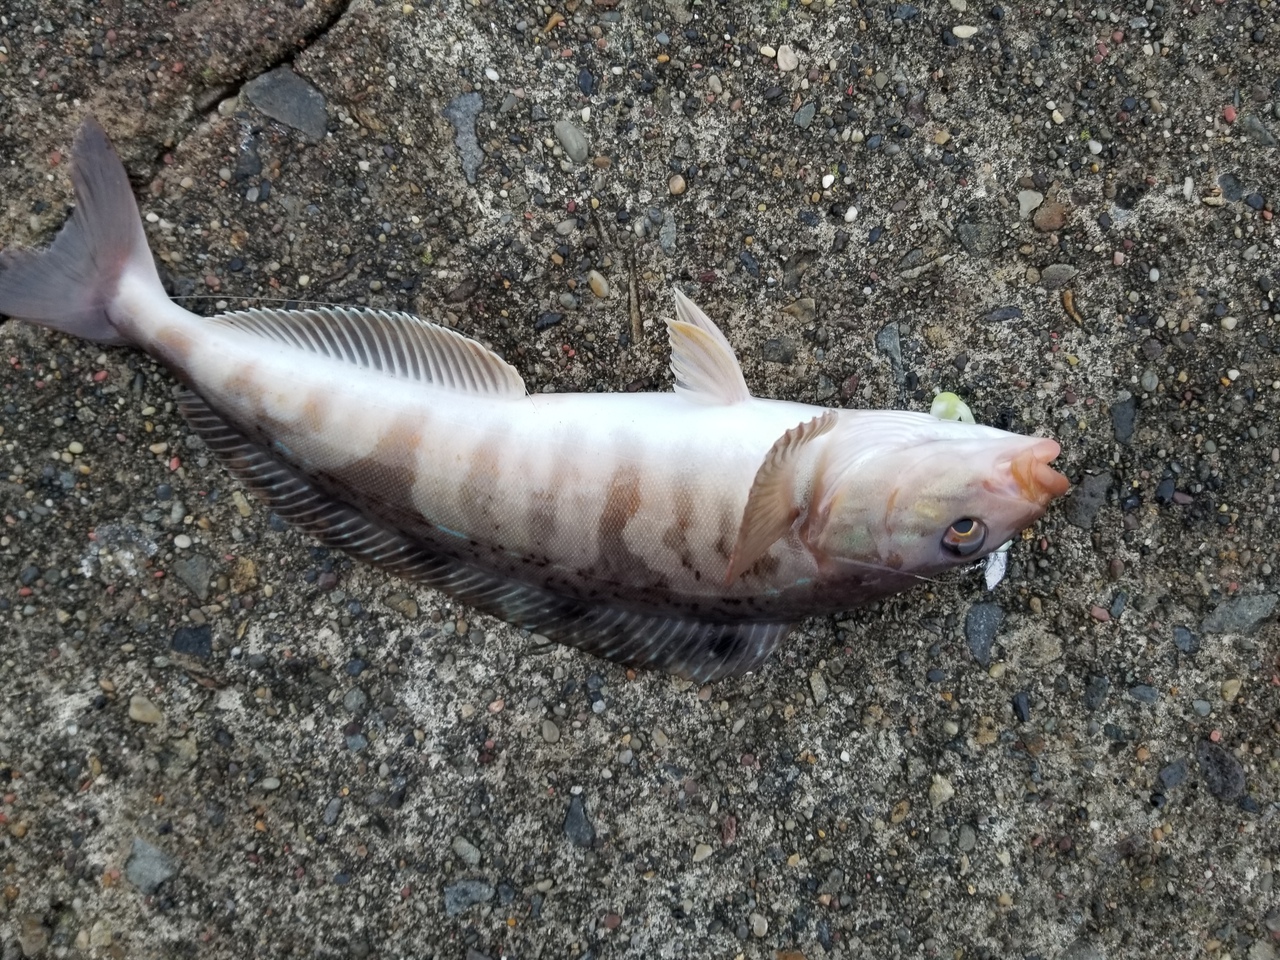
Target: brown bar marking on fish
(315, 410)
(540, 519)
(378, 482)
(765, 567)
(481, 491)
(615, 559)
(173, 346)
(676, 537)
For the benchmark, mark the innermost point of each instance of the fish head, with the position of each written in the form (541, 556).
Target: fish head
(926, 495)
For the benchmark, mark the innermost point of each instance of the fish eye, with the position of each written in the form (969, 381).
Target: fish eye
(964, 537)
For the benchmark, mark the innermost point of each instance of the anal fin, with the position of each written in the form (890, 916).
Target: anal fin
(699, 650)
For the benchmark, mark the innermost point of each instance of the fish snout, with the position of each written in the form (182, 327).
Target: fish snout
(1038, 482)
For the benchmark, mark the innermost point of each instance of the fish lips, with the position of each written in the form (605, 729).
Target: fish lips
(1031, 478)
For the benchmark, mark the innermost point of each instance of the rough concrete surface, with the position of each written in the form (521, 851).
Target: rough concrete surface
(219, 741)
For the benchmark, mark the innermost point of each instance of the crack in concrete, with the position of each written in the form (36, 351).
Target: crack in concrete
(204, 102)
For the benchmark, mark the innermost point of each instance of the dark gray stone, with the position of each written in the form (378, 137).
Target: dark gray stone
(888, 342)
(1232, 186)
(980, 628)
(804, 116)
(1173, 774)
(1056, 275)
(577, 825)
(1255, 128)
(148, 866)
(1240, 614)
(1124, 416)
(667, 233)
(1223, 775)
(466, 893)
(1186, 641)
(1001, 314)
(283, 95)
(462, 112)
(779, 350)
(1095, 692)
(332, 810)
(981, 239)
(193, 641)
(194, 573)
(1087, 499)
(1144, 693)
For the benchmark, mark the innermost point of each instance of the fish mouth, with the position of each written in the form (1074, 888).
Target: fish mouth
(1036, 480)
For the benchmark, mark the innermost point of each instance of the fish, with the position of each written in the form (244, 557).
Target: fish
(686, 531)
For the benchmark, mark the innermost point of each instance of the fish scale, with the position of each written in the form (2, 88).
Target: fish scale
(685, 531)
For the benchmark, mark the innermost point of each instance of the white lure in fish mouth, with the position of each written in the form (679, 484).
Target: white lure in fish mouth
(685, 531)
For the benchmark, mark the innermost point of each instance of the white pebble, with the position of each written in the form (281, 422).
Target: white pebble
(1095, 147)
(492, 74)
(964, 32)
(1228, 323)
(851, 215)
(768, 51)
(1154, 275)
(182, 541)
(827, 181)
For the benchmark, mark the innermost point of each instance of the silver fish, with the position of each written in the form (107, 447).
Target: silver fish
(686, 531)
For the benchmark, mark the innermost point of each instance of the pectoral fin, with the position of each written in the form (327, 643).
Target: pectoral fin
(779, 495)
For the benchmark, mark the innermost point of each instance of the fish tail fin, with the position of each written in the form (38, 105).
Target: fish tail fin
(70, 286)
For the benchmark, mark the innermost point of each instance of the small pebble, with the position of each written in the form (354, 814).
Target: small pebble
(142, 710)
(182, 541)
(550, 732)
(964, 32)
(759, 925)
(598, 284)
(701, 852)
(787, 59)
(676, 185)
(940, 791)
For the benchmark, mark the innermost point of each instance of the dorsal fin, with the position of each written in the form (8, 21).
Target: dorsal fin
(704, 365)
(779, 494)
(397, 344)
